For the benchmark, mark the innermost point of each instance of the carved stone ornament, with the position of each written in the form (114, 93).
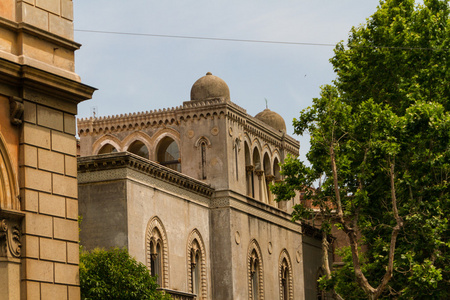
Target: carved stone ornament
(10, 245)
(16, 110)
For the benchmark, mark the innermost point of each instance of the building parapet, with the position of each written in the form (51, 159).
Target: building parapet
(125, 159)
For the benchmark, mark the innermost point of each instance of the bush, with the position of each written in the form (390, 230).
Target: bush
(114, 274)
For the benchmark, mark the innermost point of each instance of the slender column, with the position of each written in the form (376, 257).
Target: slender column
(269, 180)
(250, 188)
(260, 174)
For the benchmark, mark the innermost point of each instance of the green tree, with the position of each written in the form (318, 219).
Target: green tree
(380, 143)
(113, 274)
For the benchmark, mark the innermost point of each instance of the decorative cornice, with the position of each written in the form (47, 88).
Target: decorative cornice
(128, 160)
(24, 77)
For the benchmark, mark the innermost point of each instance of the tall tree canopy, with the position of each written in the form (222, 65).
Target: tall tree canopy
(380, 143)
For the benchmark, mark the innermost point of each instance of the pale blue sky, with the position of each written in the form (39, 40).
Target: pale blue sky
(139, 73)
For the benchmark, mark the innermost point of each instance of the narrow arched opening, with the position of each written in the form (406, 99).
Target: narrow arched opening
(169, 154)
(107, 148)
(139, 148)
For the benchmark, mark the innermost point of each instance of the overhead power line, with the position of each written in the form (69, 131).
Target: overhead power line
(203, 38)
(250, 41)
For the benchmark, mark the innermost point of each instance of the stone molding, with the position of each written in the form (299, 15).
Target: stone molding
(155, 223)
(9, 193)
(88, 164)
(196, 236)
(42, 34)
(228, 199)
(35, 85)
(285, 255)
(254, 246)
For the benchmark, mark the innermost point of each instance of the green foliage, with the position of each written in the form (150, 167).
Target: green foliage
(388, 107)
(113, 274)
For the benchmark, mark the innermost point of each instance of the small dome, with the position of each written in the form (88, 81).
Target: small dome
(272, 119)
(210, 87)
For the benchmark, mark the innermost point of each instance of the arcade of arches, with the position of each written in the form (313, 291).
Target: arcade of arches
(190, 185)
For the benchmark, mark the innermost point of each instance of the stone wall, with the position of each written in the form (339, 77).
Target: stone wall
(39, 93)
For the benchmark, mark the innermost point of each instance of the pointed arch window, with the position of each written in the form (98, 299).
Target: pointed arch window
(237, 148)
(249, 171)
(285, 275)
(203, 151)
(139, 148)
(255, 272)
(156, 257)
(197, 265)
(107, 148)
(157, 252)
(169, 154)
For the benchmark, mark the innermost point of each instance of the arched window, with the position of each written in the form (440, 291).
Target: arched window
(196, 264)
(157, 251)
(237, 148)
(139, 148)
(156, 256)
(268, 178)
(195, 268)
(255, 270)
(276, 169)
(169, 154)
(107, 148)
(203, 151)
(285, 275)
(256, 159)
(9, 190)
(258, 181)
(249, 171)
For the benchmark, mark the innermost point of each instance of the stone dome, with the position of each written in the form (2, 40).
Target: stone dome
(272, 119)
(210, 87)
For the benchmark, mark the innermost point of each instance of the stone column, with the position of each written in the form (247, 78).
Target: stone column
(250, 188)
(260, 174)
(269, 180)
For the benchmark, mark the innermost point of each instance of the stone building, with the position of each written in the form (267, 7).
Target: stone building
(186, 190)
(39, 93)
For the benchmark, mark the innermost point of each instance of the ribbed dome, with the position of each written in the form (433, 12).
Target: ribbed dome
(210, 87)
(272, 119)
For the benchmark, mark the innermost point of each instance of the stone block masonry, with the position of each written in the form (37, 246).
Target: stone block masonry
(49, 196)
(39, 94)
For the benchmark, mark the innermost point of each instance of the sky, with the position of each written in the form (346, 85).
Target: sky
(136, 73)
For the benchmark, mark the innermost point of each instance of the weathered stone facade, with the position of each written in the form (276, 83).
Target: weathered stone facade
(185, 189)
(39, 93)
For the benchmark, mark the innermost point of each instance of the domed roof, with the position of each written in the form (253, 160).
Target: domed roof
(272, 119)
(210, 87)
